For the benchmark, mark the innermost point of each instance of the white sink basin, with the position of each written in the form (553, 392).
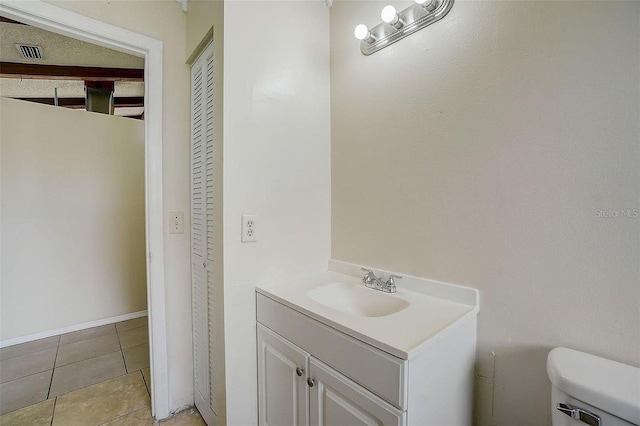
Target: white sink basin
(357, 300)
(398, 323)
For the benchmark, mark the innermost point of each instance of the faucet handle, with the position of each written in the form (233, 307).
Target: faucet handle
(391, 281)
(369, 277)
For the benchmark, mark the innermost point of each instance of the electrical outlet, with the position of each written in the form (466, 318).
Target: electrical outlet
(249, 222)
(176, 223)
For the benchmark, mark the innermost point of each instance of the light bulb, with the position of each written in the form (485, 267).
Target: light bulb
(361, 32)
(428, 5)
(389, 14)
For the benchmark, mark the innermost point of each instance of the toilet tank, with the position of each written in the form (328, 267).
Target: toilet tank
(586, 388)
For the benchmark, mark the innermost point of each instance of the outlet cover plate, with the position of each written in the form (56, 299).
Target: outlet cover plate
(249, 227)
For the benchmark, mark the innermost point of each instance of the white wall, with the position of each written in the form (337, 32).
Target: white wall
(165, 21)
(276, 165)
(479, 151)
(73, 233)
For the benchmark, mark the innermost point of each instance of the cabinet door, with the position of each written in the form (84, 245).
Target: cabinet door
(282, 374)
(336, 400)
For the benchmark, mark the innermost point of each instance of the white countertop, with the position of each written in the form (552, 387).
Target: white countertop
(433, 307)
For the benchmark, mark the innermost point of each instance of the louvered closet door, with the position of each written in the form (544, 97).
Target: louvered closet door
(202, 234)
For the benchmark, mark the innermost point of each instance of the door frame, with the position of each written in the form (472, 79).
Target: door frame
(51, 18)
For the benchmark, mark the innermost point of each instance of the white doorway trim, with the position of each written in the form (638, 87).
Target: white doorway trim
(61, 21)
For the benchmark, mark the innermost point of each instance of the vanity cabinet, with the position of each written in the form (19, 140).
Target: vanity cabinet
(297, 389)
(312, 373)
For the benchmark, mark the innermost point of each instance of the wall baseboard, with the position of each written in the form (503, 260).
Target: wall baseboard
(69, 329)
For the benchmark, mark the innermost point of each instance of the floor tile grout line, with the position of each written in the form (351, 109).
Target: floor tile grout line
(59, 336)
(124, 361)
(89, 338)
(114, 377)
(27, 354)
(26, 343)
(87, 329)
(123, 415)
(86, 386)
(37, 372)
(145, 382)
(135, 346)
(119, 342)
(87, 359)
(134, 328)
(26, 406)
(59, 343)
(53, 370)
(53, 413)
(30, 374)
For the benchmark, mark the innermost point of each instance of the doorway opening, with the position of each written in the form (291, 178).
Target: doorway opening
(51, 18)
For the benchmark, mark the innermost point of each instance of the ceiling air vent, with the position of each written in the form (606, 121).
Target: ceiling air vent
(30, 52)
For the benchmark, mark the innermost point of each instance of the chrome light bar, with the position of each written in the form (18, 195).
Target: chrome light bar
(396, 26)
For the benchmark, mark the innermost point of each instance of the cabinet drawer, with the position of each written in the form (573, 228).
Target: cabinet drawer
(375, 370)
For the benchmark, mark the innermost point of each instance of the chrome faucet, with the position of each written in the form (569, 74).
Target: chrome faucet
(370, 280)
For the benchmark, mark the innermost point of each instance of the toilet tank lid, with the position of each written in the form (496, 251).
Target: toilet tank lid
(607, 385)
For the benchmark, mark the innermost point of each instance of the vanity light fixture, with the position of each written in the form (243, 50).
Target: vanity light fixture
(397, 25)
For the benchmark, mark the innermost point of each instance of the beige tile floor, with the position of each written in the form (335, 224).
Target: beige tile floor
(98, 376)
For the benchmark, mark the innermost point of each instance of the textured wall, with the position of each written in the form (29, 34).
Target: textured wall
(73, 243)
(276, 165)
(486, 150)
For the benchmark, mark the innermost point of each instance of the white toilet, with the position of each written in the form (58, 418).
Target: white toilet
(590, 390)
